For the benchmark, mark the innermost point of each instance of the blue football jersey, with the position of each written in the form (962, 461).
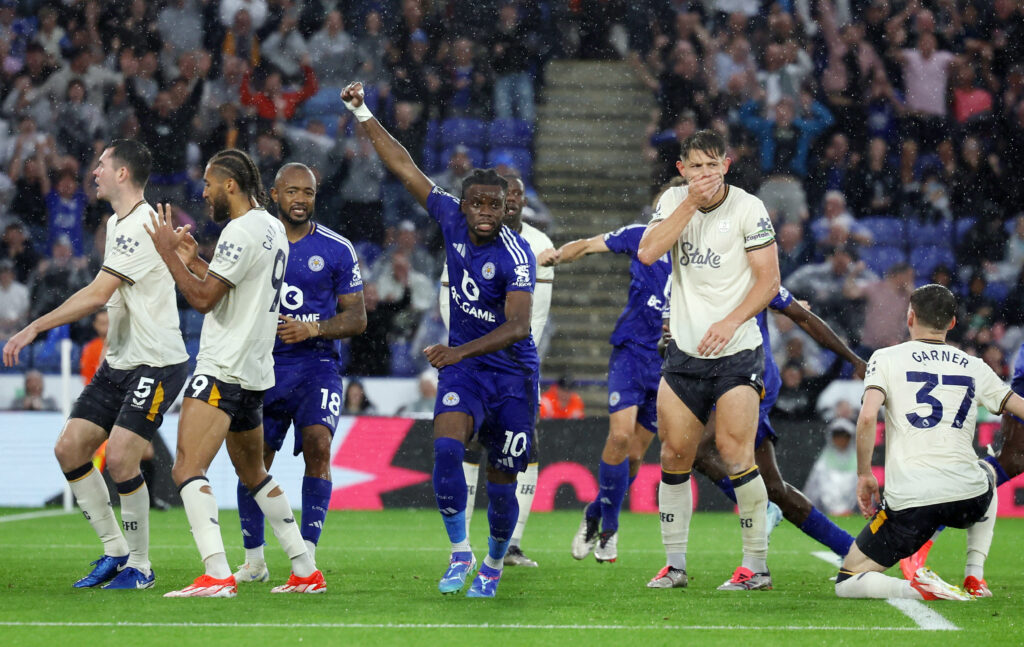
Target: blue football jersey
(772, 379)
(478, 280)
(1018, 372)
(321, 266)
(640, 321)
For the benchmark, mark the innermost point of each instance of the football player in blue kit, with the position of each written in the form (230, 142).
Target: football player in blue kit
(634, 370)
(322, 275)
(488, 371)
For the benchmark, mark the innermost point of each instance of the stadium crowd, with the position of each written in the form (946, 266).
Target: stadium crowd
(881, 134)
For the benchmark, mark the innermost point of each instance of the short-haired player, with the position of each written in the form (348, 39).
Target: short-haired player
(142, 373)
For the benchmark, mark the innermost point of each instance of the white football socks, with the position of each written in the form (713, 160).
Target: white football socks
(526, 489)
(282, 520)
(94, 500)
(201, 510)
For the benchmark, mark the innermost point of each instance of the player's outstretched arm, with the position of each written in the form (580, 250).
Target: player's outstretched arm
(822, 333)
(351, 321)
(577, 249)
(518, 305)
(392, 153)
(867, 421)
(201, 293)
(81, 304)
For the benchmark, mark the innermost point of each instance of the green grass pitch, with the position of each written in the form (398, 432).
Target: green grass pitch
(382, 570)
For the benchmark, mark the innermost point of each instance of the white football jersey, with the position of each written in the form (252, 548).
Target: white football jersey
(932, 391)
(143, 310)
(711, 274)
(538, 242)
(237, 341)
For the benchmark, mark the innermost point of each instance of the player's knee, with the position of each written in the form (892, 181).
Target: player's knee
(121, 467)
(618, 441)
(70, 452)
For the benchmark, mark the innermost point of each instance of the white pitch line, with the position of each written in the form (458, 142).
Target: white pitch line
(412, 625)
(25, 516)
(925, 617)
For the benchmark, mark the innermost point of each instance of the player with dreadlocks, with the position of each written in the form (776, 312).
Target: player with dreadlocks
(239, 291)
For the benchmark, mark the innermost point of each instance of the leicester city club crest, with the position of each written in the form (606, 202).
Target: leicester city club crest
(614, 398)
(316, 263)
(488, 270)
(450, 399)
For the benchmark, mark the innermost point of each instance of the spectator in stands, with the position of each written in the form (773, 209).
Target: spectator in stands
(976, 309)
(978, 181)
(17, 248)
(992, 355)
(469, 82)
(269, 156)
(371, 48)
(65, 212)
(57, 278)
(256, 10)
(356, 402)
(785, 68)
(832, 484)
(560, 401)
(31, 179)
(874, 188)
(886, 303)
(26, 98)
(334, 52)
(79, 123)
(360, 173)
(423, 406)
(14, 301)
(95, 350)
(33, 398)
(925, 79)
(836, 226)
(794, 250)
(409, 128)
(735, 61)
(370, 353)
(407, 242)
(285, 47)
(828, 287)
(799, 392)
(459, 166)
(98, 80)
(180, 25)
(512, 53)
(833, 170)
(395, 277)
(784, 140)
(163, 127)
(272, 102)
(50, 35)
(240, 39)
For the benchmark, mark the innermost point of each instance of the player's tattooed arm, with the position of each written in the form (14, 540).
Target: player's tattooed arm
(351, 321)
(822, 333)
(391, 152)
(577, 249)
(518, 306)
(201, 293)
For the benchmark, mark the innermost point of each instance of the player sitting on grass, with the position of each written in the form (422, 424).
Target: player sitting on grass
(932, 476)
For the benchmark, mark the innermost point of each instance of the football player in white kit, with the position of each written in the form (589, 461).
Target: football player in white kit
(933, 477)
(145, 367)
(725, 270)
(526, 484)
(240, 293)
